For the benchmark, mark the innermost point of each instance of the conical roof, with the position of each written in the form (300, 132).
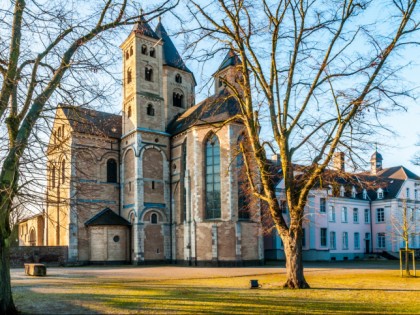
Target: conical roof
(171, 57)
(143, 28)
(231, 59)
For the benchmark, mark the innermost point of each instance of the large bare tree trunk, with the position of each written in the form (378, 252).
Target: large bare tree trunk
(294, 264)
(6, 300)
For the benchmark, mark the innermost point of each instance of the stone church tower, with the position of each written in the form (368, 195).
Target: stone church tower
(159, 183)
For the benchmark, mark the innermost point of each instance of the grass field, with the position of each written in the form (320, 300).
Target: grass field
(338, 288)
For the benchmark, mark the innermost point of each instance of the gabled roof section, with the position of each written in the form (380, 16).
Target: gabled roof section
(93, 122)
(215, 109)
(143, 28)
(107, 217)
(398, 172)
(171, 57)
(231, 59)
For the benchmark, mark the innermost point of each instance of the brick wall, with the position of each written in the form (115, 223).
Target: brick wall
(51, 255)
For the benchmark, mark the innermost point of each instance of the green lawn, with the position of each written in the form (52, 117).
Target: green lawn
(337, 289)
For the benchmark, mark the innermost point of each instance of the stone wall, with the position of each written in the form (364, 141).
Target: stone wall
(51, 255)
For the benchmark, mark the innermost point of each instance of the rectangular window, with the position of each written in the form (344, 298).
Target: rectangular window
(367, 216)
(303, 238)
(345, 240)
(407, 193)
(416, 195)
(333, 244)
(322, 205)
(381, 240)
(380, 215)
(323, 237)
(356, 240)
(331, 214)
(344, 215)
(355, 215)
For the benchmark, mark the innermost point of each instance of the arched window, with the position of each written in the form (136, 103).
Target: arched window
(152, 52)
(129, 75)
(111, 171)
(53, 177)
(129, 112)
(131, 51)
(243, 210)
(150, 110)
(144, 50)
(178, 99)
(148, 74)
(178, 78)
(127, 55)
(32, 237)
(63, 171)
(212, 175)
(154, 218)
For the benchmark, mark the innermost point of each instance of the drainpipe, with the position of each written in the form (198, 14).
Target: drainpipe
(170, 202)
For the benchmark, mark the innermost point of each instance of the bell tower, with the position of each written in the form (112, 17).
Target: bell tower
(142, 79)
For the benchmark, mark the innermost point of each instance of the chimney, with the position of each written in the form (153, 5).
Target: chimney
(338, 161)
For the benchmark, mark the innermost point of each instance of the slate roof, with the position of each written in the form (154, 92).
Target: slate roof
(231, 59)
(216, 108)
(107, 217)
(143, 28)
(171, 57)
(389, 179)
(93, 122)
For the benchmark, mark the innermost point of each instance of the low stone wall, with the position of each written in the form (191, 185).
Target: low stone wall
(50, 255)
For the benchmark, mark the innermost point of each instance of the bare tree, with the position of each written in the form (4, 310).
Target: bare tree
(48, 52)
(317, 75)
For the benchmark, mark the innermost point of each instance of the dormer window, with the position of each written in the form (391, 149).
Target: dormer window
(178, 78)
(364, 194)
(152, 52)
(144, 50)
(330, 190)
(342, 191)
(380, 193)
(353, 192)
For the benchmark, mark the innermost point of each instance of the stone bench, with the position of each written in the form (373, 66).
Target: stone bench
(39, 270)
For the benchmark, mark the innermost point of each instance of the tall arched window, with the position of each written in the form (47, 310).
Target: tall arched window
(111, 171)
(148, 74)
(243, 210)
(212, 175)
(150, 110)
(127, 55)
(32, 237)
(131, 51)
(178, 99)
(53, 177)
(63, 171)
(178, 78)
(129, 75)
(129, 112)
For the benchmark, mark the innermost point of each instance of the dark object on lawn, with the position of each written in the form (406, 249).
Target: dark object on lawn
(254, 284)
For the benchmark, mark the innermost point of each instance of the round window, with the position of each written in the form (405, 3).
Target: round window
(116, 238)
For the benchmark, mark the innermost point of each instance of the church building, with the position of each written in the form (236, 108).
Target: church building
(160, 182)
